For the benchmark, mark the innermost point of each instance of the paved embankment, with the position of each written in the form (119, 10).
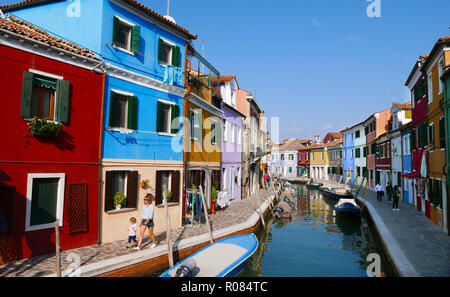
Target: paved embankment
(105, 258)
(416, 246)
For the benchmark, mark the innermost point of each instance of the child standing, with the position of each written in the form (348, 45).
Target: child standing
(132, 229)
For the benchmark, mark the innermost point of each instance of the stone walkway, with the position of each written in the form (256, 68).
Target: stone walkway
(425, 245)
(236, 213)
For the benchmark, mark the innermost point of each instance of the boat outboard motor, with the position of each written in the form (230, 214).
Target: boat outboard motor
(186, 269)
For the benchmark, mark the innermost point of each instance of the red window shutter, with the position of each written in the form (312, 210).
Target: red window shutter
(109, 191)
(175, 186)
(77, 208)
(132, 189)
(158, 189)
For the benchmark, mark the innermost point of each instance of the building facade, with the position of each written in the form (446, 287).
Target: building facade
(50, 164)
(143, 55)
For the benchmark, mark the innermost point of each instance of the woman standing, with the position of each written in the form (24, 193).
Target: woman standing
(396, 197)
(147, 221)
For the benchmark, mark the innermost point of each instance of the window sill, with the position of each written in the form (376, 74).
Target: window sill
(166, 134)
(120, 130)
(168, 204)
(114, 211)
(124, 50)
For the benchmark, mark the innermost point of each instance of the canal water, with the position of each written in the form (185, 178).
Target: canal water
(314, 243)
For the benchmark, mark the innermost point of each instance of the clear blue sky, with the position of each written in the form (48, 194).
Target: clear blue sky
(318, 65)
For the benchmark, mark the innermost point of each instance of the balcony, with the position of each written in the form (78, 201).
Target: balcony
(205, 84)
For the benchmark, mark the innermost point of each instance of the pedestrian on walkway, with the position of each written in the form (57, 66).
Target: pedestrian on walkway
(132, 229)
(389, 191)
(380, 191)
(395, 195)
(147, 221)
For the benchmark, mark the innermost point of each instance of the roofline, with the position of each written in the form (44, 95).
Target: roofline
(435, 49)
(133, 3)
(233, 109)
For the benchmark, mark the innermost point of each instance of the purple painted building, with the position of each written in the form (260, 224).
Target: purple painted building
(232, 142)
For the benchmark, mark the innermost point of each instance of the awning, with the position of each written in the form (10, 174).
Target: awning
(45, 83)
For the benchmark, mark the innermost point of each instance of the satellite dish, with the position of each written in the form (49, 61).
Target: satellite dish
(169, 18)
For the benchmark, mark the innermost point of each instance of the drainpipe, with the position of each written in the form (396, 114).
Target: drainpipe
(100, 181)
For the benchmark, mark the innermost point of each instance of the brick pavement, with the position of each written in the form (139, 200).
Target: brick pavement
(236, 213)
(425, 245)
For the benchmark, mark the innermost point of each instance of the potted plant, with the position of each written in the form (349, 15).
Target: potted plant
(144, 183)
(214, 196)
(169, 195)
(118, 199)
(44, 127)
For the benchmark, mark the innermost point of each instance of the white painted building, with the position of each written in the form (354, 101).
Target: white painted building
(360, 152)
(401, 115)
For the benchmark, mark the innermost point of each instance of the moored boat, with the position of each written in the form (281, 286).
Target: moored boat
(347, 206)
(313, 185)
(226, 257)
(336, 192)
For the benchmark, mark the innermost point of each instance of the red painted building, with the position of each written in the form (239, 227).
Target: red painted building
(303, 161)
(417, 83)
(46, 176)
(383, 161)
(332, 136)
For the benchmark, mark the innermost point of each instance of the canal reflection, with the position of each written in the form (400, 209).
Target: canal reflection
(314, 242)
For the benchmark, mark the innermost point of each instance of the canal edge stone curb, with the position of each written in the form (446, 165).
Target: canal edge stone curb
(401, 262)
(112, 264)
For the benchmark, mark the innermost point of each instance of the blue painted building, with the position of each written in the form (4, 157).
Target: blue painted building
(406, 165)
(144, 55)
(348, 153)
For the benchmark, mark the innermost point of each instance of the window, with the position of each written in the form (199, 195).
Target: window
(124, 181)
(441, 71)
(435, 192)
(167, 117)
(282, 157)
(323, 156)
(123, 110)
(357, 134)
(430, 134)
(196, 124)
(358, 171)
(215, 132)
(232, 126)
(430, 88)
(291, 157)
(307, 156)
(352, 153)
(45, 197)
(358, 153)
(406, 145)
(169, 53)
(44, 95)
(169, 180)
(442, 133)
(312, 154)
(239, 135)
(126, 35)
(290, 169)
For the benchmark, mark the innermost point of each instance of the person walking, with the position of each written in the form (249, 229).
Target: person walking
(389, 191)
(395, 195)
(380, 191)
(147, 221)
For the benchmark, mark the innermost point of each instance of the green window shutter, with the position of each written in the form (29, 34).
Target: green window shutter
(62, 100)
(114, 109)
(199, 129)
(135, 38)
(175, 110)
(213, 131)
(27, 94)
(44, 200)
(160, 49)
(159, 117)
(219, 133)
(132, 112)
(116, 28)
(176, 56)
(442, 133)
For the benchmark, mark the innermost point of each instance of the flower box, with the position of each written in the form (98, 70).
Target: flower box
(44, 127)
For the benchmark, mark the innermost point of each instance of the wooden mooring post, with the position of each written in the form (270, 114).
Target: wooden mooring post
(168, 233)
(57, 246)
(206, 215)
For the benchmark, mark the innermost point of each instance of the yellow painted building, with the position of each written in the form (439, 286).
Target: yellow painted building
(433, 69)
(202, 132)
(318, 162)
